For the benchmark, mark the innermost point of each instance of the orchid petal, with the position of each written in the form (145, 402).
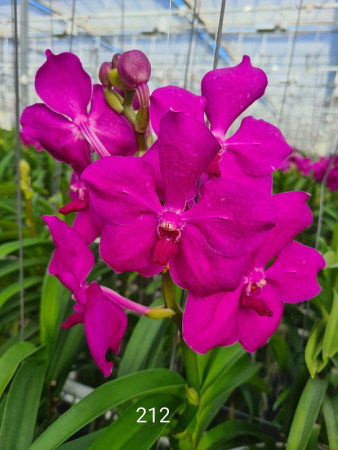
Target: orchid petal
(233, 219)
(87, 226)
(63, 85)
(176, 99)
(72, 260)
(59, 136)
(255, 330)
(211, 321)
(112, 129)
(105, 324)
(185, 149)
(293, 216)
(259, 146)
(151, 157)
(121, 189)
(73, 319)
(229, 92)
(293, 274)
(232, 170)
(130, 247)
(200, 269)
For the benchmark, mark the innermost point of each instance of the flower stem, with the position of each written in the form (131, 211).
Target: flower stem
(189, 356)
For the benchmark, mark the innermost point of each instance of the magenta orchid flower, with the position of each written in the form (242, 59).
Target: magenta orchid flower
(206, 246)
(253, 311)
(332, 178)
(256, 149)
(63, 126)
(99, 308)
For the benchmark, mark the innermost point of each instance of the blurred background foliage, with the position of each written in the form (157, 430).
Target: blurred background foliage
(284, 394)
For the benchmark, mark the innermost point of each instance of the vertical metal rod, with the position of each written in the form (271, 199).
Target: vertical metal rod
(167, 45)
(122, 23)
(23, 53)
(18, 175)
(290, 63)
(72, 26)
(192, 29)
(219, 34)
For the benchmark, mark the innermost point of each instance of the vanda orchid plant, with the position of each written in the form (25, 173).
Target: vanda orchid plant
(163, 188)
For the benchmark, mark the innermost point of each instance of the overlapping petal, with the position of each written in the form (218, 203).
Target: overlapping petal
(121, 189)
(176, 99)
(255, 330)
(293, 275)
(58, 135)
(230, 168)
(112, 129)
(229, 92)
(293, 216)
(64, 74)
(211, 321)
(185, 149)
(72, 260)
(233, 219)
(202, 270)
(130, 247)
(259, 147)
(105, 324)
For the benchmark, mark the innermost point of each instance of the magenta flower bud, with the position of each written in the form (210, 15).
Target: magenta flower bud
(134, 68)
(115, 59)
(105, 68)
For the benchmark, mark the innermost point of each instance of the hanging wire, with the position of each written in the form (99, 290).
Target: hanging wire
(123, 13)
(72, 26)
(167, 45)
(51, 23)
(192, 31)
(290, 62)
(57, 165)
(18, 175)
(219, 34)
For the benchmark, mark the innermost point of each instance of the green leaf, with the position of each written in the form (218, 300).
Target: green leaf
(14, 288)
(10, 247)
(218, 436)
(280, 350)
(314, 347)
(217, 361)
(128, 434)
(306, 413)
(216, 394)
(23, 399)
(139, 357)
(50, 305)
(330, 423)
(107, 396)
(83, 442)
(330, 341)
(11, 359)
(14, 266)
(7, 188)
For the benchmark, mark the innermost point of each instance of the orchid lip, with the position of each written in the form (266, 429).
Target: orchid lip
(254, 282)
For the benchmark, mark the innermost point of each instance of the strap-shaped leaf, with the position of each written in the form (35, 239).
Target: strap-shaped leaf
(11, 359)
(107, 396)
(22, 403)
(330, 342)
(129, 433)
(218, 436)
(306, 413)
